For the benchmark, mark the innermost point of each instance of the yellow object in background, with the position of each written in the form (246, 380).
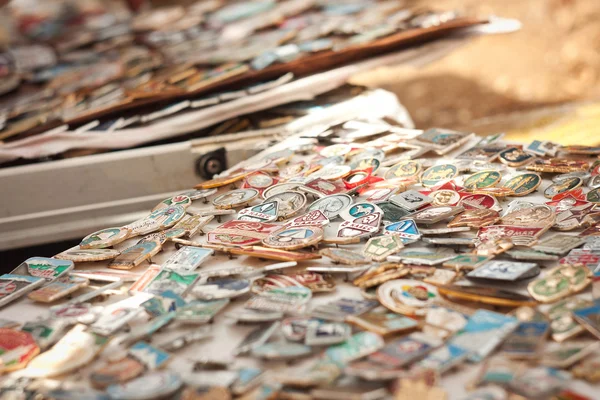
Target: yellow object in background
(578, 126)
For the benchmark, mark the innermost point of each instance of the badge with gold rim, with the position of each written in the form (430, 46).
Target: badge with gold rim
(482, 179)
(437, 174)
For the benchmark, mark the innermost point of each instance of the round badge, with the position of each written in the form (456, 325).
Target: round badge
(335, 150)
(290, 203)
(404, 170)
(536, 215)
(293, 170)
(444, 197)
(180, 200)
(562, 186)
(259, 180)
(478, 201)
(437, 174)
(330, 172)
(365, 163)
(279, 188)
(594, 181)
(167, 217)
(199, 193)
(104, 238)
(294, 238)
(224, 288)
(11, 339)
(482, 179)
(149, 386)
(235, 198)
(523, 184)
(593, 196)
(359, 210)
(402, 295)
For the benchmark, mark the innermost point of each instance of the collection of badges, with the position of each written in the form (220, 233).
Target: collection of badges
(381, 259)
(80, 63)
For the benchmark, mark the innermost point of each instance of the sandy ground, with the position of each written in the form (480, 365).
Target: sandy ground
(555, 58)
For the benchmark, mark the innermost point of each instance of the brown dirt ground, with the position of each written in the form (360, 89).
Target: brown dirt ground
(555, 58)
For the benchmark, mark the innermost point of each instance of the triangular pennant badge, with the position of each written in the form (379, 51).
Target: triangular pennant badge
(264, 212)
(406, 229)
(359, 227)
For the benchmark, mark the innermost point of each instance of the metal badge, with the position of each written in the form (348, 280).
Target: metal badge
(199, 193)
(515, 157)
(178, 281)
(330, 172)
(383, 322)
(558, 243)
(288, 300)
(588, 369)
(407, 169)
(254, 316)
(340, 309)
(294, 238)
(188, 258)
(294, 329)
(148, 386)
(593, 196)
(200, 312)
(475, 218)
(437, 174)
(559, 165)
(312, 218)
(192, 225)
(360, 227)
(259, 181)
(48, 269)
(538, 215)
(559, 282)
(577, 217)
(433, 215)
(406, 296)
(13, 286)
(281, 351)
(58, 289)
(392, 212)
(505, 271)
(562, 186)
(241, 233)
(321, 187)
(442, 231)
(273, 254)
(365, 164)
(265, 212)
(223, 288)
(343, 256)
(357, 346)
(17, 348)
(531, 255)
(424, 255)
(222, 181)
(180, 200)
(484, 331)
(479, 201)
(482, 179)
(135, 255)
(359, 210)
(331, 205)
(326, 333)
(335, 150)
(380, 247)
(235, 198)
(290, 203)
(444, 197)
(280, 188)
(466, 261)
(104, 238)
(522, 185)
(411, 200)
(407, 230)
(589, 318)
(380, 195)
(562, 324)
(117, 372)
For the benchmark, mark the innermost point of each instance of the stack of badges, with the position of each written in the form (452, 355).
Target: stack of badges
(383, 267)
